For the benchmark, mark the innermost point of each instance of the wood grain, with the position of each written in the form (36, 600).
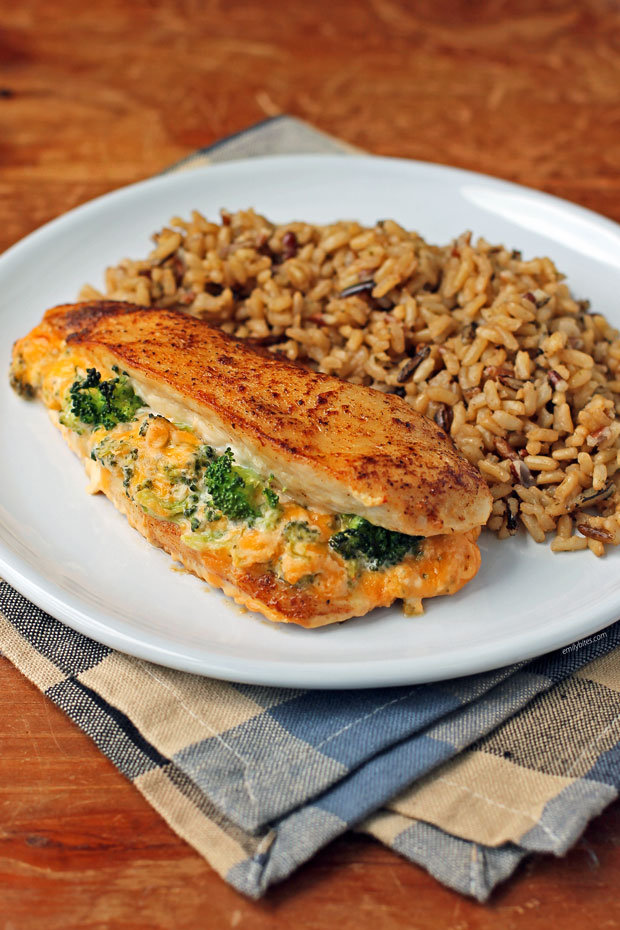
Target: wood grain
(79, 847)
(98, 95)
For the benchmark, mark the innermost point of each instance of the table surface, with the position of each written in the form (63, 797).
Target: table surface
(98, 95)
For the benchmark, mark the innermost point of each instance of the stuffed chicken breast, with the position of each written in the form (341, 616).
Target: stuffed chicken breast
(304, 497)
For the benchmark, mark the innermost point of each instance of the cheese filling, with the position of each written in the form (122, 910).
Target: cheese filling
(171, 474)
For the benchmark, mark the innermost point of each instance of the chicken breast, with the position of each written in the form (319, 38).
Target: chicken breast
(257, 474)
(336, 445)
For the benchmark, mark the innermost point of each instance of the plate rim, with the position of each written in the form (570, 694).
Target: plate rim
(64, 606)
(168, 177)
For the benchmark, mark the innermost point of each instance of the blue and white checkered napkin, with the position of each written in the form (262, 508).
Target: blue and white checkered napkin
(464, 777)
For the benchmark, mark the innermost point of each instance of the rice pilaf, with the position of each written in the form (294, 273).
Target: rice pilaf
(524, 378)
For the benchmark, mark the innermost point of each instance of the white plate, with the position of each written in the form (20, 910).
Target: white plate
(77, 558)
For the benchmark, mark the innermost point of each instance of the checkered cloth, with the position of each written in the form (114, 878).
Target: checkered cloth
(464, 777)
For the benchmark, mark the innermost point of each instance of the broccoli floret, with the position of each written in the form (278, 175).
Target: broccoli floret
(113, 452)
(377, 547)
(103, 403)
(233, 488)
(205, 455)
(300, 531)
(191, 505)
(272, 498)
(298, 534)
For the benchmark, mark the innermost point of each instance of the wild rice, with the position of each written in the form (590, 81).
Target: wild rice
(525, 378)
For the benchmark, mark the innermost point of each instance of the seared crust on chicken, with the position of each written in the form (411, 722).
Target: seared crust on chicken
(338, 446)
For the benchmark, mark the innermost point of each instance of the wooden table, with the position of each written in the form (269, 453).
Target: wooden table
(100, 95)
